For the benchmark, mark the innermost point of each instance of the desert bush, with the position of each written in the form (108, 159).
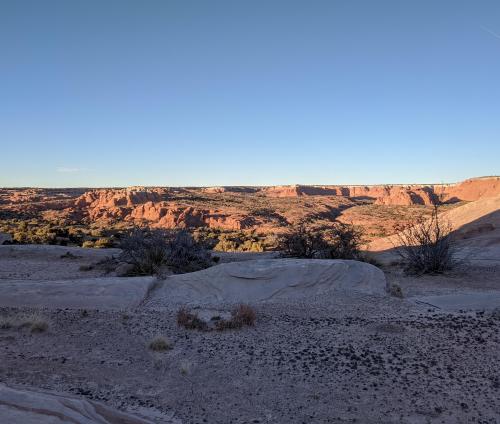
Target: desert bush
(252, 246)
(426, 245)
(148, 250)
(241, 315)
(340, 241)
(189, 320)
(300, 242)
(39, 326)
(88, 244)
(226, 243)
(244, 314)
(185, 255)
(206, 238)
(160, 344)
(103, 242)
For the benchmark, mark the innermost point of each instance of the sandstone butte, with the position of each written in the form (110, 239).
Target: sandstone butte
(169, 207)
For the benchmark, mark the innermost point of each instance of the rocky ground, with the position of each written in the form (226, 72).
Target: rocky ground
(349, 361)
(348, 358)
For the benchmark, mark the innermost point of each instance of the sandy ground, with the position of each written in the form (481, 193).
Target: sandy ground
(329, 359)
(43, 262)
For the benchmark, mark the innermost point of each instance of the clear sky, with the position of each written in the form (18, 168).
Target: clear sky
(145, 92)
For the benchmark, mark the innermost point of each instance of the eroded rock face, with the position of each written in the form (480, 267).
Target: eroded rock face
(407, 196)
(32, 407)
(230, 208)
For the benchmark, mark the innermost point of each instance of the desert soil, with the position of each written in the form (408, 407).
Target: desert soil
(340, 359)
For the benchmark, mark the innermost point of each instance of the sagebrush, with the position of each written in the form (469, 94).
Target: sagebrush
(339, 241)
(151, 249)
(426, 245)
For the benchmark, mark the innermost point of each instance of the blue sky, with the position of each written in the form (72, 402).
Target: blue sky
(116, 93)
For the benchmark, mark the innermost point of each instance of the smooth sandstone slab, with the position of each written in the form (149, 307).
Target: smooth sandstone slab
(270, 279)
(249, 281)
(467, 300)
(32, 407)
(97, 293)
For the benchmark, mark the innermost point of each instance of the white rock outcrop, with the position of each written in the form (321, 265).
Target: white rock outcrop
(33, 407)
(271, 279)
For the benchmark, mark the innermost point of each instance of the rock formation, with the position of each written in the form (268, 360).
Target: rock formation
(230, 208)
(29, 406)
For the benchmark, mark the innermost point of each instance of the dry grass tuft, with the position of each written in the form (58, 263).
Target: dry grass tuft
(186, 368)
(395, 290)
(240, 316)
(160, 344)
(244, 314)
(35, 322)
(6, 323)
(189, 320)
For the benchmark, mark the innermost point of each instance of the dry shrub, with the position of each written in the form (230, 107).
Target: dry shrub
(300, 242)
(395, 290)
(244, 314)
(146, 250)
(160, 344)
(151, 249)
(340, 241)
(34, 321)
(426, 245)
(189, 320)
(6, 323)
(39, 326)
(240, 316)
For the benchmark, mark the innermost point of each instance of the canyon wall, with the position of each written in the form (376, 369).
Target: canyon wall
(231, 208)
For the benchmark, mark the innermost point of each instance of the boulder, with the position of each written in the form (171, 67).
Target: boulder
(271, 279)
(33, 407)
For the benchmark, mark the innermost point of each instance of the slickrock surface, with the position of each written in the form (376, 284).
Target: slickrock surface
(35, 407)
(269, 280)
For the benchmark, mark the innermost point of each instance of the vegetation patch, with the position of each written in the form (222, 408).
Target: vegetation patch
(241, 316)
(148, 250)
(426, 246)
(160, 344)
(35, 322)
(339, 241)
